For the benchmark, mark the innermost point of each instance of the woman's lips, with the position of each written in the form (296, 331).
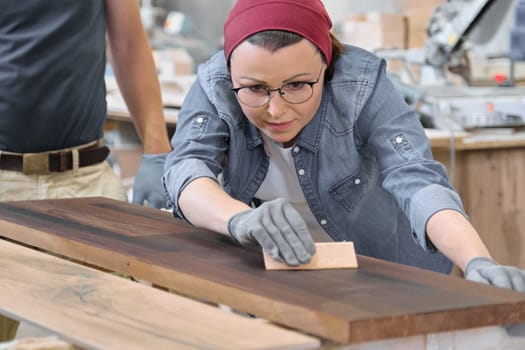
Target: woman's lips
(279, 126)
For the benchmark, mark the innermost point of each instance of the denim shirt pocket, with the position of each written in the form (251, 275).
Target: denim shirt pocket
(404, 148)
(349, 190)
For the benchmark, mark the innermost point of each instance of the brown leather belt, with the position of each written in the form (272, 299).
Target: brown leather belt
(43, 163)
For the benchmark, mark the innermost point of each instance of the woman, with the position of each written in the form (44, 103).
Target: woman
(313, 142)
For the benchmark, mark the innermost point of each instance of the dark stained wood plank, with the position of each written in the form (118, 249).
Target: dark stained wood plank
(376, 301)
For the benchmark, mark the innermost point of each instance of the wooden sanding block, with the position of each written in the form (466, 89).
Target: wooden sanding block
(328, 255)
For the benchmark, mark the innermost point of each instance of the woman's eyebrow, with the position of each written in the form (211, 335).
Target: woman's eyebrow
(300, 75)
(262, 82)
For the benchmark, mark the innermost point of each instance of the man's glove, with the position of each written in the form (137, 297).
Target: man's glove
(148, 181)
(485, 270)
(278, 228)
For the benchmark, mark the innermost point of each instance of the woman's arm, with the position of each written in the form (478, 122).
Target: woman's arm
(275, 225)
(454, 236)
(205, 204)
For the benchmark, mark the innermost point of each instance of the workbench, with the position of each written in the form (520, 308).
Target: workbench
(376, 306)
(487, 171)
(120, 133)
(172, 94)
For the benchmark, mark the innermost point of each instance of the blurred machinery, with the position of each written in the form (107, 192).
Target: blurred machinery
(172, 29)
(440, 91)
(151, 15)
(517, 38)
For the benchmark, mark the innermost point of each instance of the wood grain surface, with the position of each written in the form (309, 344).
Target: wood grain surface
(97, 310)
(376, 301)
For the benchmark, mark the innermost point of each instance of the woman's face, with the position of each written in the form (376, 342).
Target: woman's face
(253, 66)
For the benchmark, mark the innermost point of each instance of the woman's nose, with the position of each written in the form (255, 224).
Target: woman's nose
(277, 105)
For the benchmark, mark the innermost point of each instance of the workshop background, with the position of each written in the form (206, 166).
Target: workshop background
(459, 63)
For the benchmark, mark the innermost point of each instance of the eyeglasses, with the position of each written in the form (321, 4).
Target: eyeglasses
(294, 92)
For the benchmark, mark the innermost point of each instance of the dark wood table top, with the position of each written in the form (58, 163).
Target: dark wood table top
(376, 301)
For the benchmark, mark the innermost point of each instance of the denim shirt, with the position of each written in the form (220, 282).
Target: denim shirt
(364, 162)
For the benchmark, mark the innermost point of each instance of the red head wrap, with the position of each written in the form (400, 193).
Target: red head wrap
(307, 18)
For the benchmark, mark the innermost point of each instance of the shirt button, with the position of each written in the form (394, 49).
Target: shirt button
(301, 172)
(324, 222)
(357, 181)
(399, 139)
(296, 149)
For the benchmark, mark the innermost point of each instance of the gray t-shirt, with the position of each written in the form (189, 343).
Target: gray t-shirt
(52, 62)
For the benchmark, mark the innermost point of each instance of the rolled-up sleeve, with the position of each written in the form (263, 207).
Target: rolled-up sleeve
(199, 145)
(425, 203)
(419, 183)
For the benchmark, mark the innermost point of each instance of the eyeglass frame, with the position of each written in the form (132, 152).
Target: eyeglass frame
(269, 94)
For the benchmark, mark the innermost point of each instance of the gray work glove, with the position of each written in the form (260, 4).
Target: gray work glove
(148, 181)
(485, 270)
(278, 228)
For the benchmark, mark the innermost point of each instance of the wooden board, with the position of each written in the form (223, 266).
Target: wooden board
(97, 310)
(46, 343)
(328, 255)
(376, 301)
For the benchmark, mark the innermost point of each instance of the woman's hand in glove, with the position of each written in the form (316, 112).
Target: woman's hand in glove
(485, 270)
(279, 230)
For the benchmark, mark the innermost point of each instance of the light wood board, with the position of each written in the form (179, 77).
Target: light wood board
(328, 255)
(97, 310)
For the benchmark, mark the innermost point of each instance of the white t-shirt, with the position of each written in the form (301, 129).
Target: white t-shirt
(281, 181)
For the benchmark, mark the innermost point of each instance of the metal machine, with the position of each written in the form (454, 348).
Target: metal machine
(440, 92)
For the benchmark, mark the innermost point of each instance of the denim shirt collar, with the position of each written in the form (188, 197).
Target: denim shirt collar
(310, 136)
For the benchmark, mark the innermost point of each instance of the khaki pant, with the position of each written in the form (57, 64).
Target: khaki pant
(91, 181)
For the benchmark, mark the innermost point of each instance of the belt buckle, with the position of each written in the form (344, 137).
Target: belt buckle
(35, 163)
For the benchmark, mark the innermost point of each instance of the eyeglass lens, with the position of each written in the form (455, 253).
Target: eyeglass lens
(292, 93)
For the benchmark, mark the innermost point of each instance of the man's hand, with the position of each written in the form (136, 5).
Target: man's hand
(278, 228)
(148, 184)
(485, 270)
